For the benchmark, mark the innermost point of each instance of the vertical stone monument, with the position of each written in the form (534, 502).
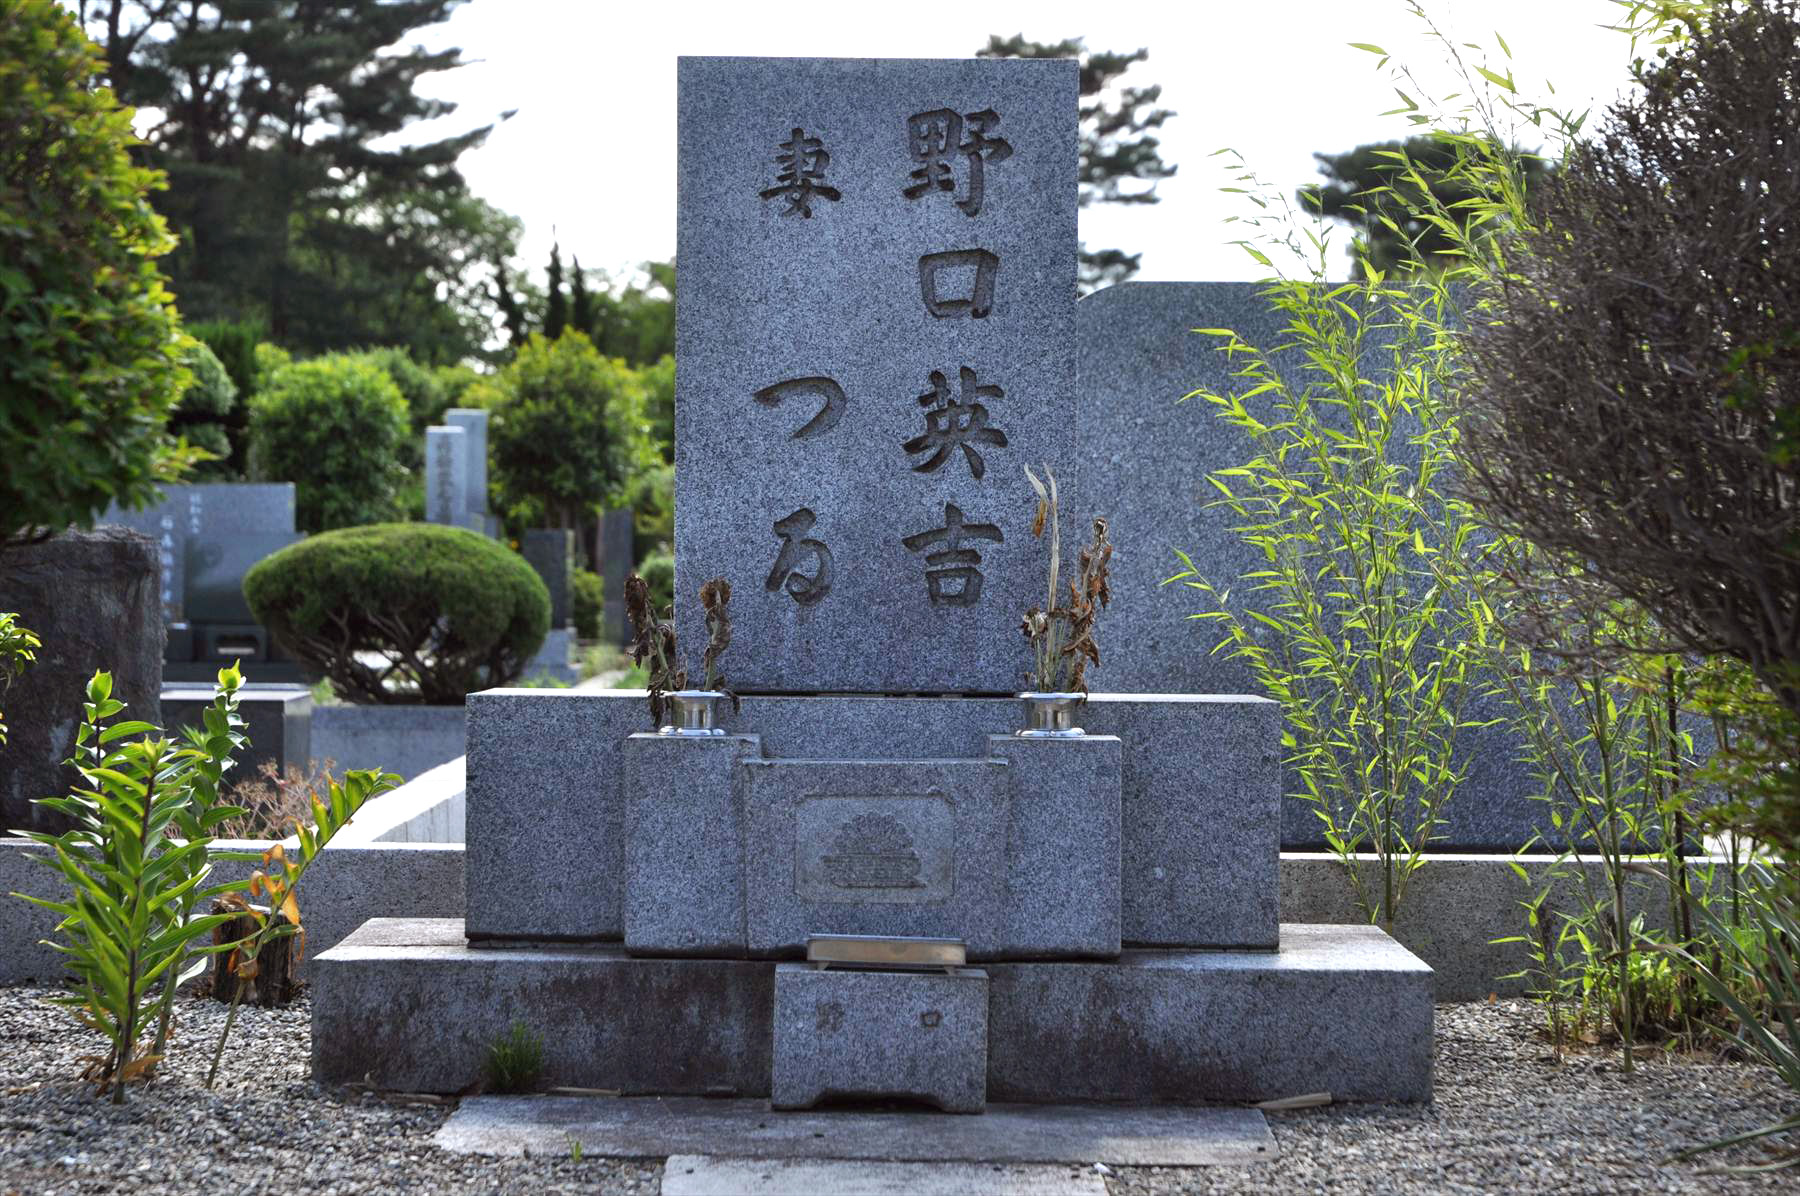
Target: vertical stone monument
(447, 476)
(474, 423)
(875, 336)
(551, 554)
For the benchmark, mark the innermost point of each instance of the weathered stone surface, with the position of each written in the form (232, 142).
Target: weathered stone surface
(684, 843)
(880, 1035)
(1198, 799)
(447, 476)
(406, 740)
(1062, 846)
(474, 423)
(615, 535)
(206, 513)
(809, 324)
(1117, 1135)
(92, 597)
(606, 1020)
(705, 1175)
(278, 720)
(215, 571)
(915, 847)
(1198, 816)
(546, 813)
(554, 659)
(551, 552)
(1338, 1009)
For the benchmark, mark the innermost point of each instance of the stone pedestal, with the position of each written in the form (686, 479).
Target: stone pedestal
(873, 1035)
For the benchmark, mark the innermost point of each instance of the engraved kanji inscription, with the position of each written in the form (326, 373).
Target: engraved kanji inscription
(806, 589)
(828, 392)
(802, 161)
(953, 562)
(873, 851)
(981, 266)
(935, 138)
(956, 421)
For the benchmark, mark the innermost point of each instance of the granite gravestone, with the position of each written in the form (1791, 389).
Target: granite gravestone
(1143, 462)
(550, 551)
(447, 476)
(474, 422)
(876, 333)
(615, 535)
(212, 514)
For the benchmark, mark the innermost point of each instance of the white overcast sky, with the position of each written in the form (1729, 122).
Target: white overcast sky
(591, 152)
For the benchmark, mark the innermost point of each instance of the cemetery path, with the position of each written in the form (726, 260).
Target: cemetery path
(1506, 1118)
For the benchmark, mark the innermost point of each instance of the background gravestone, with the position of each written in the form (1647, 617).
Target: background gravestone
(876, 333)
(447, 476)
(474, 422)
(213, 513)
(92, 597)
(1143, 461)
(615, 533)
(551, 552)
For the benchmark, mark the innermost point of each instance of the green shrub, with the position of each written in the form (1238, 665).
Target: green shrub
(91, 360)
(426, 399)
(588, 597)
(203, 413)
(568, 434)
(658, 572)
(446, 610)
(333, 426)
(234, 342)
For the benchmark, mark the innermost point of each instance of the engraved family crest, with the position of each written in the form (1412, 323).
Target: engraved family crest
(873, 851)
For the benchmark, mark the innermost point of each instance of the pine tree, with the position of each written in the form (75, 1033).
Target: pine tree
(556, 307)
(266, 114)
(1116, 142)
(581, 303)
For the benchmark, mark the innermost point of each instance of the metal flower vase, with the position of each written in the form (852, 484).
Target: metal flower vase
(695, 712)
(1051, 715)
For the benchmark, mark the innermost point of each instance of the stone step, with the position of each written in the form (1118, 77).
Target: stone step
(703, 1175)
(1339, 1009)
(1006, 1135)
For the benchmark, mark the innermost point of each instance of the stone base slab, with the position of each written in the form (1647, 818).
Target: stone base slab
(1340, 1009)
(876, 1035)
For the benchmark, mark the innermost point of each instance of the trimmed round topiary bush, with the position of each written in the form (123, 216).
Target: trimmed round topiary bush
(403, 613)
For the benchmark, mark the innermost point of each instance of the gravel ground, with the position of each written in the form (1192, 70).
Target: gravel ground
(1506, 1119)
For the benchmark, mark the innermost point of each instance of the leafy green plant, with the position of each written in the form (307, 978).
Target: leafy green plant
(1757, 978)
(334, 427)
(658, 572)
(1360, 623)
(587, 599)
(403, 613)
(91, 356)
(18, 652)
(279, 881)
(515, 1060)
(569, 434)
(202, 414)
(136, 863)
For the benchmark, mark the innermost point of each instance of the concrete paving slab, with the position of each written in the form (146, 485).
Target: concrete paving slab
(656, 1127)
(703, 1175)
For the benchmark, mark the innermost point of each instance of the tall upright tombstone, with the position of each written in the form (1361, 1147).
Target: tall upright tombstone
(474, 423)
(876, 326)
(876, 333)
(447, 476)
